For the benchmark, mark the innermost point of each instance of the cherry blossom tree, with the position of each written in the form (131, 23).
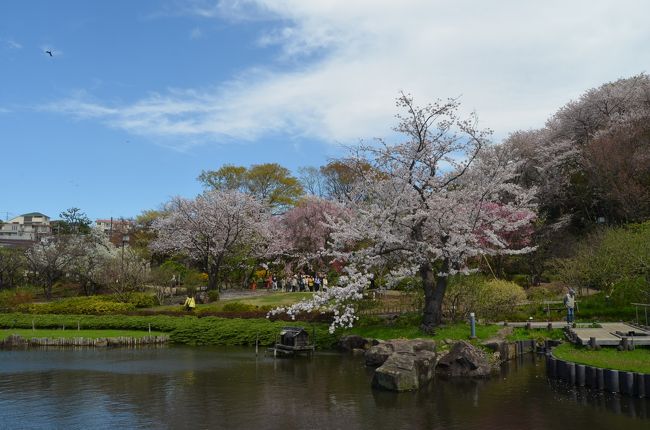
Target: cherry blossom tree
(124, 271)
(589, 160)
(428, 206)
(213, 228)
(49, 260)
(305, 229)
(94, 254)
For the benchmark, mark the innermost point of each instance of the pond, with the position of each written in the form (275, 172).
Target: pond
(219, 388)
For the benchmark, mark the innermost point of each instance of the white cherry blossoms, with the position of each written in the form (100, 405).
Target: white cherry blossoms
(339, 300)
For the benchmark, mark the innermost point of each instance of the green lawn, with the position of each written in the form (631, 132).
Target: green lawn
(608, 358)
(537, 334)
(269, 300)
(87, 334)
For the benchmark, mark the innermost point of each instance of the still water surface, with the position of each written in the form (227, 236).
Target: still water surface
(218, 388)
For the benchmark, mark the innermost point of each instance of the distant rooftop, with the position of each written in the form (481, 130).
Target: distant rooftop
(32, 214)
(115, 221)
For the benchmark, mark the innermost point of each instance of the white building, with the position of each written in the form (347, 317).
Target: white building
(25, 228)
(111, 226)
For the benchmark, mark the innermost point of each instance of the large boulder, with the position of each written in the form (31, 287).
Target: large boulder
(404, 365)
(352, 342)
(424, 345)
(464, 359)
(378, 354)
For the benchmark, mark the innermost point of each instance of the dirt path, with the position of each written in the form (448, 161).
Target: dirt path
(501, 335)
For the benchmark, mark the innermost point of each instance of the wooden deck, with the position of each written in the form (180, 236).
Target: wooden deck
(611, 334)
(280, 350)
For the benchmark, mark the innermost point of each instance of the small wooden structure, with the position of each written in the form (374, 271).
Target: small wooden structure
(292, 340)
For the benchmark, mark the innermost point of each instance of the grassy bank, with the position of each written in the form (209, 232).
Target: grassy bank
(191, 330)
(608, 358)
(537, 334)
(68, 334)
(454, 331)
(263, 300)
(407, 326)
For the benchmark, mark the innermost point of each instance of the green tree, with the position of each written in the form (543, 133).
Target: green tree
(227, 177)
(74, 221)
(340, 177)
(613, 260)
(269, 182)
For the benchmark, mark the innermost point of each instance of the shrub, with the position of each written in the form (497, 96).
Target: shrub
(244, 307)
(10, 300)
(213, 295)
(95, 305)
(521, 280)
(491, 300)
(139, 300)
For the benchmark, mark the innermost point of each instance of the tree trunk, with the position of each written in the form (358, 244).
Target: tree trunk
(47, 289)
(212, 279)
(434, 293)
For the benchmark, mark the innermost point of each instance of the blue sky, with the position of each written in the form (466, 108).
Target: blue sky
(140, 96)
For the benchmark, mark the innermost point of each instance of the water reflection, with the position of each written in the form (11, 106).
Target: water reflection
(232, 389)
(603, 401)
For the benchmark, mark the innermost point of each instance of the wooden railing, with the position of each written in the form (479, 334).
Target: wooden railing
(645, 307)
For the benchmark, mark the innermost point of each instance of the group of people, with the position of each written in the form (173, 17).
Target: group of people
(295, 283)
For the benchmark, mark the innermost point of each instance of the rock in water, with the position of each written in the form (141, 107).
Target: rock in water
(405, 365)
(464, 359)
(378, 354)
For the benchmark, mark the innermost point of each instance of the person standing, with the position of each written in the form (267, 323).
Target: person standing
(570, 304)
(190, 303)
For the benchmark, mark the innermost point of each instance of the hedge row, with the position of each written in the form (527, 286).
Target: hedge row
(92, 305)
(188, 330)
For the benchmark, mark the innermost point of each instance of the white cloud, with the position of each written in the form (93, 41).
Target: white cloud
(513, 62)
(12, 44)
(196, 33)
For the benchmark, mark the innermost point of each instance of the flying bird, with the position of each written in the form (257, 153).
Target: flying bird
(49, 52)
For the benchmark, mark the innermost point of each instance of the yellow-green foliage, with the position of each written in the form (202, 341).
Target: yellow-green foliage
(10, 299)
(613, 260)
(489, 299)
(95, 305)
(139, 300)
(243, 307)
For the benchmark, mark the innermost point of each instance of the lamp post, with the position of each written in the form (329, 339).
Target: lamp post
(472, 324)
(125, 240)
